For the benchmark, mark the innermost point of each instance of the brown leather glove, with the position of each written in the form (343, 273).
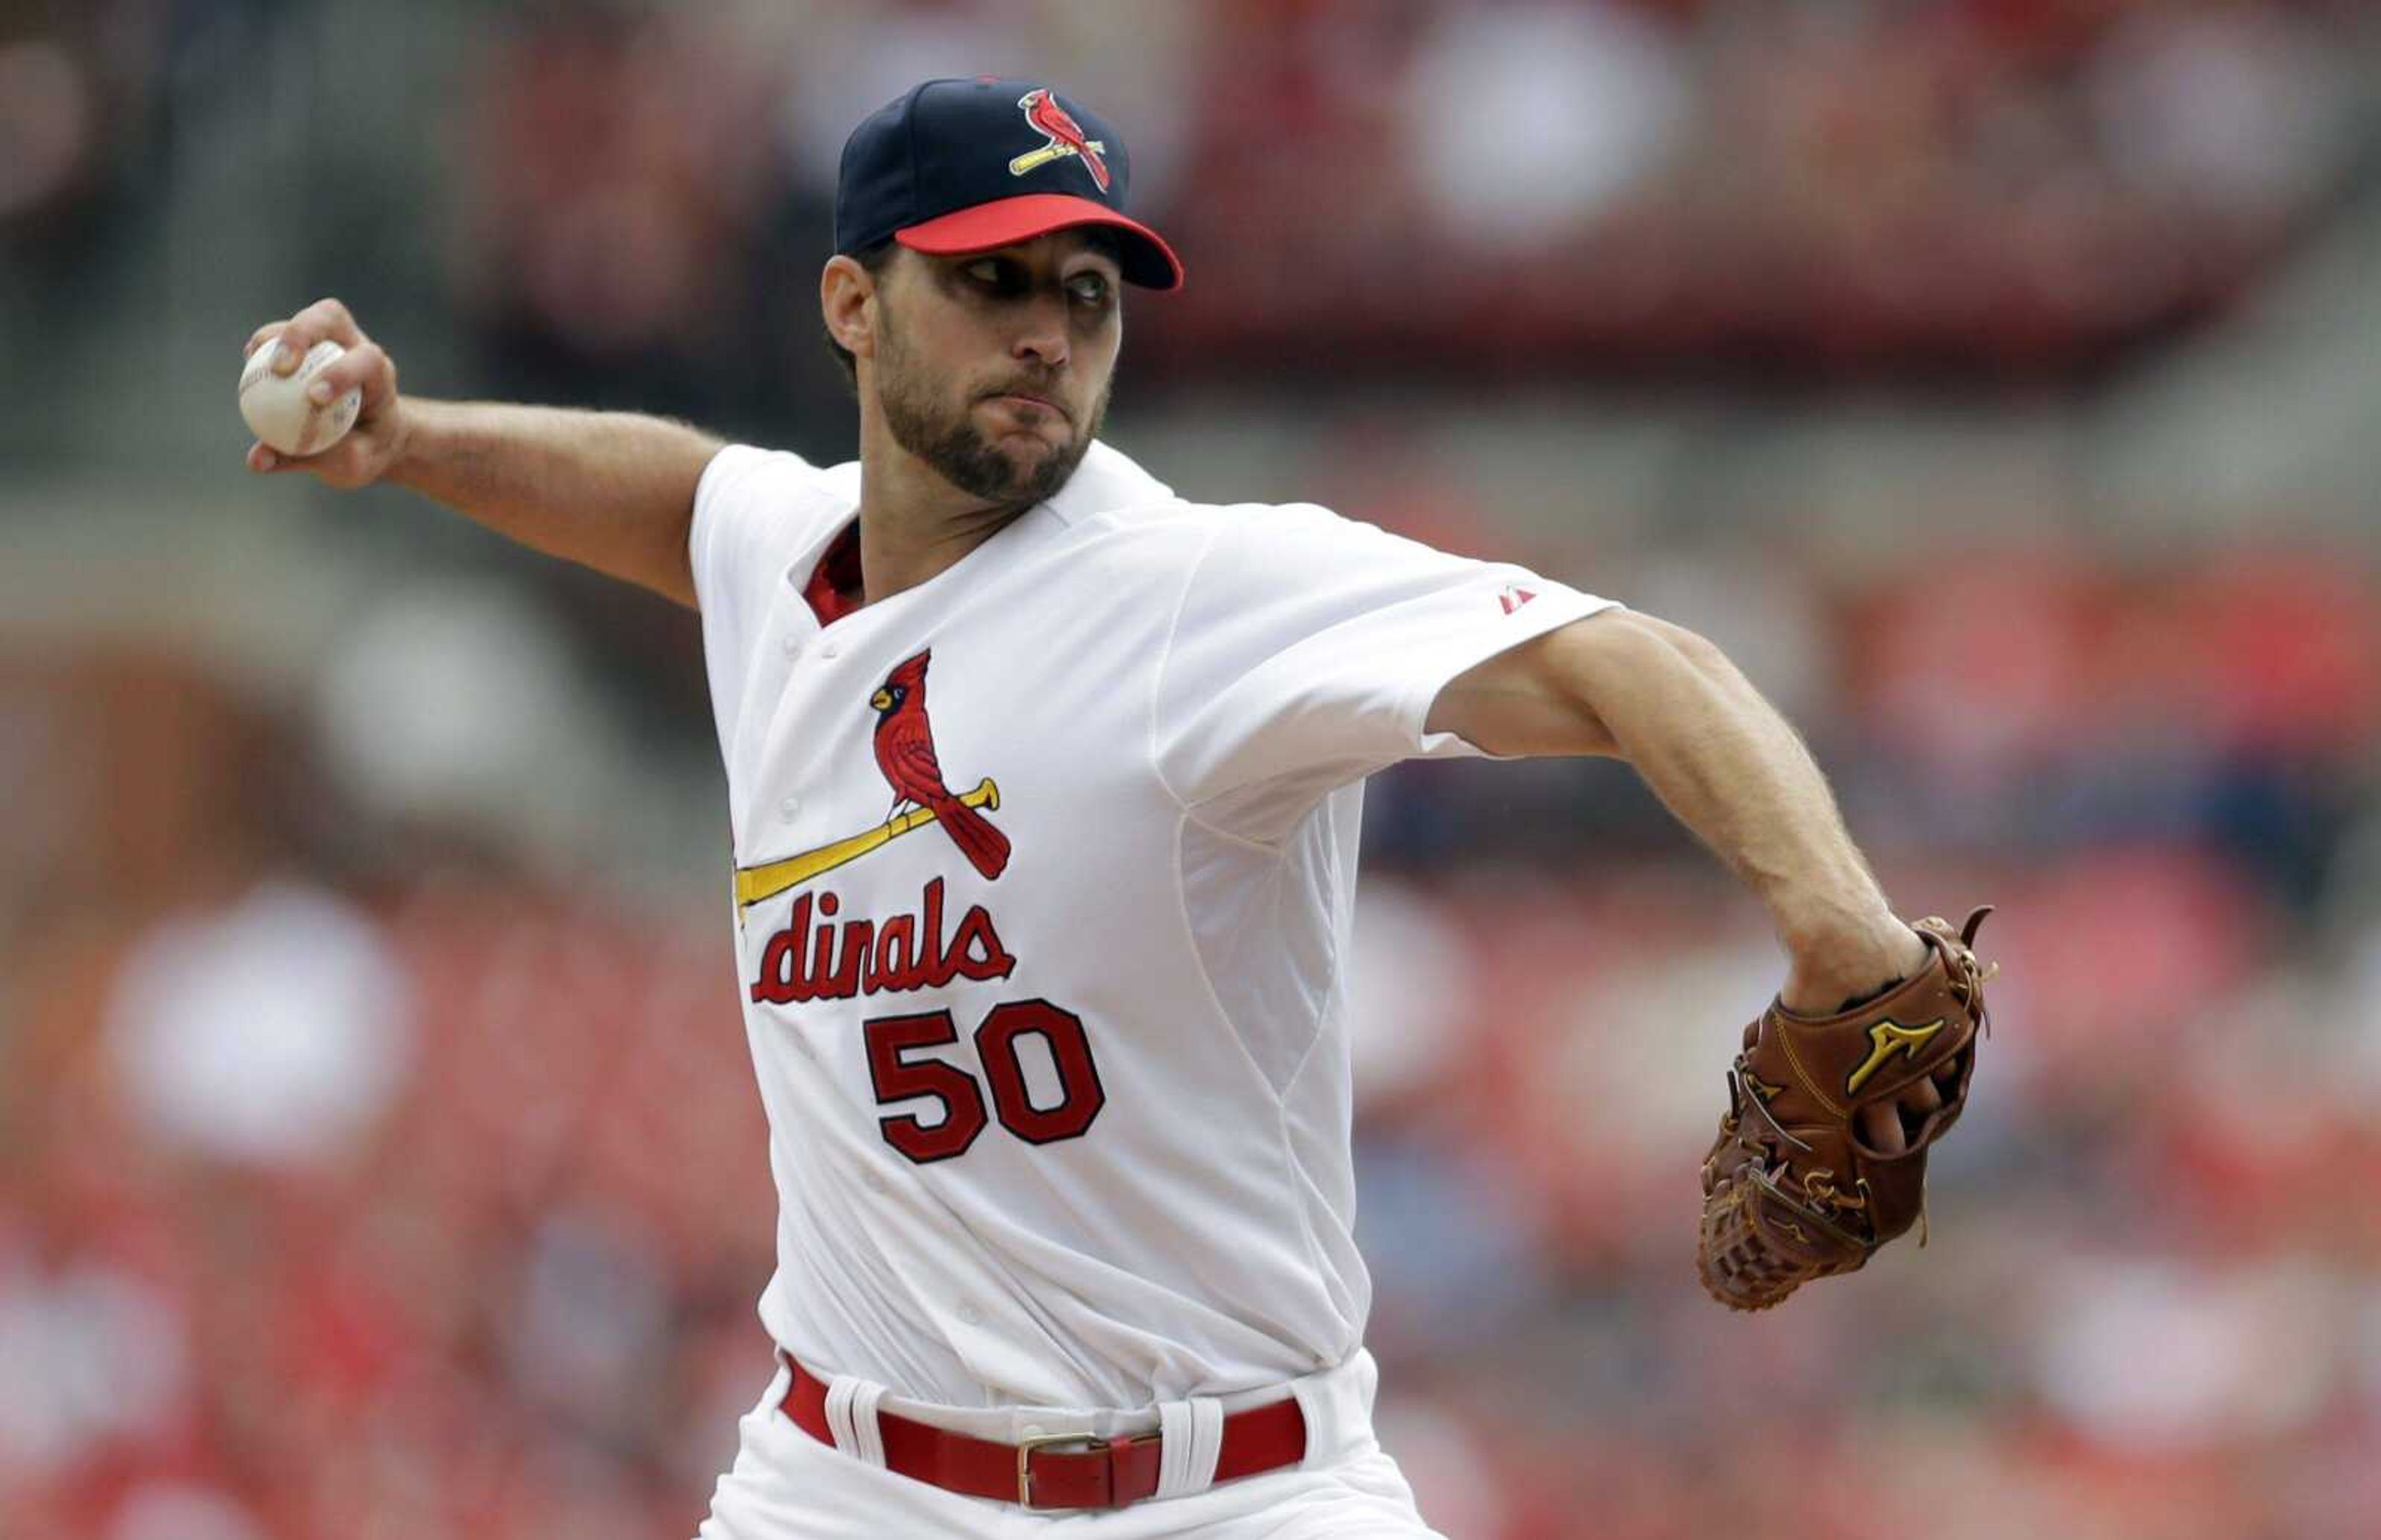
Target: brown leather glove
(1792, 1190)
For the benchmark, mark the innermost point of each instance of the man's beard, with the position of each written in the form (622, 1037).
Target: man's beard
(961, 452)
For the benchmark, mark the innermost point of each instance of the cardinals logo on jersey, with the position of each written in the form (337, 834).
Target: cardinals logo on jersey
(1066, 137)
(905, 752)
(904, 744)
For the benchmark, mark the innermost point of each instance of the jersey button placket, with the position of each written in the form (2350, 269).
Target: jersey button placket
(789, 808)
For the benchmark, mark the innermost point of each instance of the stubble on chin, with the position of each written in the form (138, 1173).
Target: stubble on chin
(964, 455)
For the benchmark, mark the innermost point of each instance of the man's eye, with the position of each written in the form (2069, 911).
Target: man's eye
(1089, 288)
(985, 270)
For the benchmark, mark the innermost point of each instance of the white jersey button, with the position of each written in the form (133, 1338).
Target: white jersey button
(790, 807)
(827, 651)
(971, 1315)
(792, 646)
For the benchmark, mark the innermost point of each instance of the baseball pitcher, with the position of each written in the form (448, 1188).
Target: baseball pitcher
(1045, 782)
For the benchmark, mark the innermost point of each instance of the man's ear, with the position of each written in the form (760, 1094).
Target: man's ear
(847, 296)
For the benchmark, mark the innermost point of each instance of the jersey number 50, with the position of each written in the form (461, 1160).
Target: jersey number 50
(898, 1077)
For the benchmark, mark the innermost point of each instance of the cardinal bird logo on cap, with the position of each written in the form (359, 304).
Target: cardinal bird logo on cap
(1057, 125)
(905, 752)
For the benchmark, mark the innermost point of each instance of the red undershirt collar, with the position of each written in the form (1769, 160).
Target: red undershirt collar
(835, 588)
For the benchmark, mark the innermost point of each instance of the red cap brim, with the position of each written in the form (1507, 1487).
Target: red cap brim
(1145, 259)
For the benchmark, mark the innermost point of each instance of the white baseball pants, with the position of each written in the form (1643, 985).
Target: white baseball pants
(788, 1485)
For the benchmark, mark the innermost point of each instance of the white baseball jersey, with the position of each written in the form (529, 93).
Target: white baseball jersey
(1043, 876)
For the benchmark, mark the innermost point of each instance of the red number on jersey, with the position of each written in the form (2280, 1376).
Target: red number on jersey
(897, 1080)
(1081, 1094)
(898, 1077)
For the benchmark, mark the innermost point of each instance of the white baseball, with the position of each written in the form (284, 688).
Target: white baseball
(276, 407)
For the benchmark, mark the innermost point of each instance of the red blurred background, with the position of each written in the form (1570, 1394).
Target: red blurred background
(1994, 379)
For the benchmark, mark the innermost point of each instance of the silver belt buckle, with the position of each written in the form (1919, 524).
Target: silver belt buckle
(1025, 1448)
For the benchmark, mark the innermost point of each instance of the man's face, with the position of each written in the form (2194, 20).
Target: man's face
(994, 367)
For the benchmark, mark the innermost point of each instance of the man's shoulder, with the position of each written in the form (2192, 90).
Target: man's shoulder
(1110, 492)
(775, 498)
(747, 474)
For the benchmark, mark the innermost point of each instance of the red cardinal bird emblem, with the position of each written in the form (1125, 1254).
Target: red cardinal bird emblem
(1066, 137)
(905, 752)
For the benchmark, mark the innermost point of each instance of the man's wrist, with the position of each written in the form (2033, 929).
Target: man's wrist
(1830, 971)
(411, 444)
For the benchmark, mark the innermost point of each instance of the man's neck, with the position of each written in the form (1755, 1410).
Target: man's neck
(913, 524)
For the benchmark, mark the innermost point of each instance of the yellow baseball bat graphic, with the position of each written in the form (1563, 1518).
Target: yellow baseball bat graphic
(1049, 152)
(771, 878)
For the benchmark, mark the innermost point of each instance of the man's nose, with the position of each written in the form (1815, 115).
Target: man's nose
(1043, 335)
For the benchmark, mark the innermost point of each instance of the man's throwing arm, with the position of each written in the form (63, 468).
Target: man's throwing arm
(614, 490)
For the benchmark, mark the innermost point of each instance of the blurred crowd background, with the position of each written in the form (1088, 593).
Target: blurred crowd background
(1998, 380)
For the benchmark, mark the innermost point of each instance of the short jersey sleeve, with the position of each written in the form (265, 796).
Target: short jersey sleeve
(755, 512)
(746, 504)
(1309, 649)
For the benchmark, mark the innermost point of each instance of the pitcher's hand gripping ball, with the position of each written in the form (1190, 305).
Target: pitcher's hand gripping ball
(1792, 1189)
(281, 413)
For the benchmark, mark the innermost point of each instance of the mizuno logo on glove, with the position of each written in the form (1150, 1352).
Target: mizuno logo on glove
(1890, 1037)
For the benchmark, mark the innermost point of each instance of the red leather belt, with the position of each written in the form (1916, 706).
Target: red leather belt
(1062, 1470)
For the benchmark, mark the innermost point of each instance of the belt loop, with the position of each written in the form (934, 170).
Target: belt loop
(1338, 1404)
(1190, 1437)
(851, 1415)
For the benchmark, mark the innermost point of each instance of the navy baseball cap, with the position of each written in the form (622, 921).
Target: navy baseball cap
(968, 165)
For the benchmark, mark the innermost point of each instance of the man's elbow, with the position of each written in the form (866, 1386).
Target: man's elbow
(1628, 672)
(1621, 648)
(1571, 691)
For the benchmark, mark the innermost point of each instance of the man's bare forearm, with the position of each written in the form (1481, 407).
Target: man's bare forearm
(614, 490)
(1725, 764)
(1728, 765)
(610, 489)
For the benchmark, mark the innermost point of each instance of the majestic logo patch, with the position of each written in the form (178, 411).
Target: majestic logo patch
(1066, 137)
(1513, 596)
(905, 753)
